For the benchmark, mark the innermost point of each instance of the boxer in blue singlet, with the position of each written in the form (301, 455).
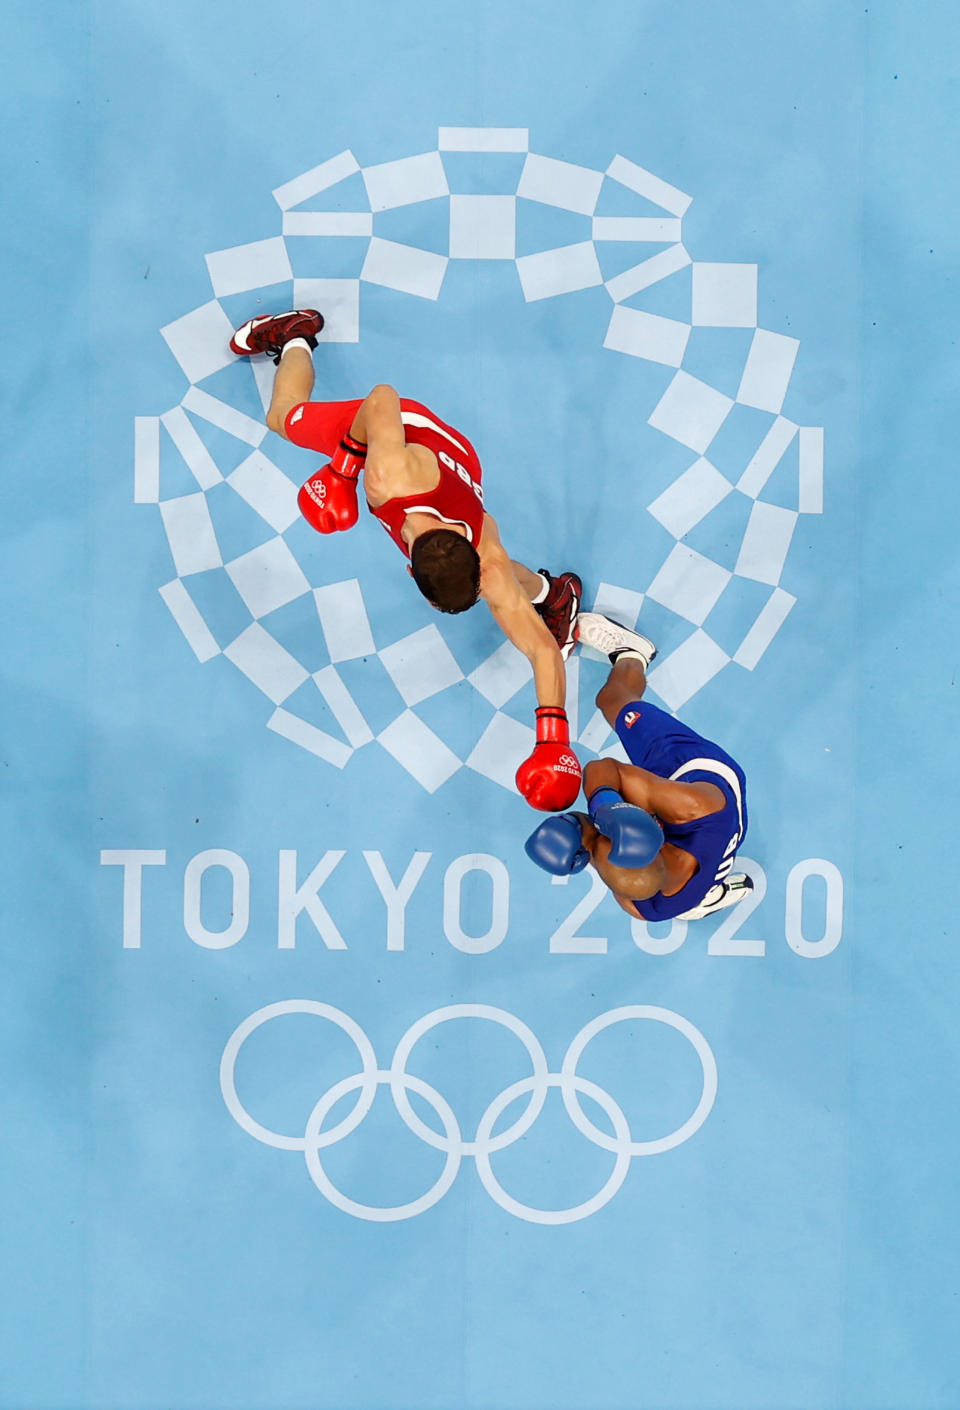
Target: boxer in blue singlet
(662, 831)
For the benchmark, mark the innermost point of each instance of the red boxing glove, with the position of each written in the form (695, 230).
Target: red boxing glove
(550, 778)
(328, 500)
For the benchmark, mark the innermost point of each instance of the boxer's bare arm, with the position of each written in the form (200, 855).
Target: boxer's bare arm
(392, 466)
(378, 422)
(512, 611)
(671, 802)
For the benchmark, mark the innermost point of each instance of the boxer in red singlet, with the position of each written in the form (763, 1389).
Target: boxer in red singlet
(422, 480)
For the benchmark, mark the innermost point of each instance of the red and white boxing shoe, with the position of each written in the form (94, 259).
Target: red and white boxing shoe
(272, 331)
(560, 607)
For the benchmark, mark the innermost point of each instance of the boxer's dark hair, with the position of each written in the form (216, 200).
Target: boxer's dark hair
(446, 569)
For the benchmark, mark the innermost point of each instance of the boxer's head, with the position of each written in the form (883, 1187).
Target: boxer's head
(633, 883)
(566, 844)
(446, 569)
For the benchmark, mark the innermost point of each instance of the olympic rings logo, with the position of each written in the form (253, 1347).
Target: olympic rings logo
(317, 1137)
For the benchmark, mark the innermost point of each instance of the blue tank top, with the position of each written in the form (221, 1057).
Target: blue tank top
(656, 741)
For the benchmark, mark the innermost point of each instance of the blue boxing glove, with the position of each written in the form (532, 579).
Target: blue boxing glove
(557, 845)
(635, 836)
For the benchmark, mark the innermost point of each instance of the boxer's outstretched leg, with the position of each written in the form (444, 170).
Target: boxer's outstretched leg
(630, 655)
(289, 338)
(291, 386)
(626, 682)
(556, 599)
(531, 584)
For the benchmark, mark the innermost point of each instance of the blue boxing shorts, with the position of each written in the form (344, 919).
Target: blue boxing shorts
(665, 746)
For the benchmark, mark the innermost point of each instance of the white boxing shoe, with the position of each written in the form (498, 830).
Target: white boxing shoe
(720, 897)
(613, 638)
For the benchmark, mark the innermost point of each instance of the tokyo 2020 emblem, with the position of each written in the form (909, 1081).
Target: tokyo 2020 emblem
(267, 580)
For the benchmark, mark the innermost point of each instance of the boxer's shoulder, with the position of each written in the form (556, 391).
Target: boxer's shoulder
(396, 472)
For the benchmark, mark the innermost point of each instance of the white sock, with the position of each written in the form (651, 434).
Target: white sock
(296, 343)
(544, 591)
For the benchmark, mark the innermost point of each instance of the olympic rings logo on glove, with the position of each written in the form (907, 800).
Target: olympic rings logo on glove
(317, 1137)
(317, 491)
(568, 764)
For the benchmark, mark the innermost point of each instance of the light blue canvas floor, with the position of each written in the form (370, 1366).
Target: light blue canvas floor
(317, 1094)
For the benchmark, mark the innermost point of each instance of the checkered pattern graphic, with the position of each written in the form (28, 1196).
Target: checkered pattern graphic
(268, 579)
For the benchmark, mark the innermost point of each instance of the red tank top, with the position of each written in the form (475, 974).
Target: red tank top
(458, 498)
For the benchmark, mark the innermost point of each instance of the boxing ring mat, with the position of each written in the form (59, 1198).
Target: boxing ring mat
(318, 1093)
